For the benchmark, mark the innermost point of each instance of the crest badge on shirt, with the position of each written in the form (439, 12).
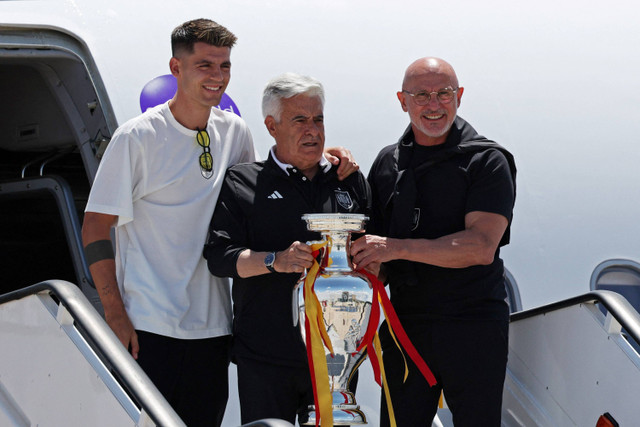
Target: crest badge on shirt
(344, 199)
(416, 218)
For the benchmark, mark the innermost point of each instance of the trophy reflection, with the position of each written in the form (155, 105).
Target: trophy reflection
(345, 297)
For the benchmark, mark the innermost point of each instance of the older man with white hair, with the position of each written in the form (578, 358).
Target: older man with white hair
(256, 236)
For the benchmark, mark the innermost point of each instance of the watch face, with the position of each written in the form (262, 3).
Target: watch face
(269, 259)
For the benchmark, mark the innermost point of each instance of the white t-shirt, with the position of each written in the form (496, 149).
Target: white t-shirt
(150, 178)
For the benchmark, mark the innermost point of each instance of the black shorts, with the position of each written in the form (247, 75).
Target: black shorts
(193, 375)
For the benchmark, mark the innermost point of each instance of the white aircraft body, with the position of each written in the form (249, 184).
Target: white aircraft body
(554, 82)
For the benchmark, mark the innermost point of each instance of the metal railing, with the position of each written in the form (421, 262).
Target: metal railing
(615, 304)
(106, 345)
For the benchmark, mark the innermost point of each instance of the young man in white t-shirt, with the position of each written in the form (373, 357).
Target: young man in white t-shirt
(158, 184)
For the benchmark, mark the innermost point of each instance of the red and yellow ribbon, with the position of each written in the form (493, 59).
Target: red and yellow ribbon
(317, 339)
(371, 340)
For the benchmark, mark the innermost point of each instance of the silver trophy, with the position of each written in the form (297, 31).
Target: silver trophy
(345, 297)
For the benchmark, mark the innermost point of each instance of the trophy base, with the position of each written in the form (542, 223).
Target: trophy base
(343, 415)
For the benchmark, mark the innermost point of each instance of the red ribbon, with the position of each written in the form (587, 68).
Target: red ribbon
(379, 294)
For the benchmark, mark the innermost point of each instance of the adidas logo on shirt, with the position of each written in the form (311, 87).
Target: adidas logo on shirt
(275, 195)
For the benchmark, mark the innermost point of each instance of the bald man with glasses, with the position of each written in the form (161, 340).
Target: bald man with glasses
(443, 198)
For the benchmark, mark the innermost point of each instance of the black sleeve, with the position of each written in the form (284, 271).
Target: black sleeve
(381, 180)
(369, 205)
(227, 232)
(364, 195)
(492, 185)
(376, 215)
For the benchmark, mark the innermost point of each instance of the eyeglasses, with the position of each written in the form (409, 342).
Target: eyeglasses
(206, 161)
(424, 97)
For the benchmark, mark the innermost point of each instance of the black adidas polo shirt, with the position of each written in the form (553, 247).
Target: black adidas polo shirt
(260, 208)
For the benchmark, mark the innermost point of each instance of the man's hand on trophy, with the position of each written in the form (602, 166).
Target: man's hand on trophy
(295, 259)
(370, 250)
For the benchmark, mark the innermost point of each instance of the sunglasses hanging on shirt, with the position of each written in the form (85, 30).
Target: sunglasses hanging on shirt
(205, 159)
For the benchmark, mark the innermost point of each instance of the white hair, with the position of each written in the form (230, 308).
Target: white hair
(288, 85)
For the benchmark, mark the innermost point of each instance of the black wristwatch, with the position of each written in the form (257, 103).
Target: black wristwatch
(269, 260)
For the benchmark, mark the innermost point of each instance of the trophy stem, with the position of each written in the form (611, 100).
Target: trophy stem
(338, 246)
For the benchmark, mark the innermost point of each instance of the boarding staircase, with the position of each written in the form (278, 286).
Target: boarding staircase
(570, 363)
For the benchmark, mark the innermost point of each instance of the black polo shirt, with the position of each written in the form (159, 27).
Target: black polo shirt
(467, 173)
(260, 208)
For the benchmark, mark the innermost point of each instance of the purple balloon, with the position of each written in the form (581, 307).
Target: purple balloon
(158, 91)
(227, 104)
(162, 88)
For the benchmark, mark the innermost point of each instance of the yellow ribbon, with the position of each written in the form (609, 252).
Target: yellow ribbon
(377, 349)
(404, 358)
(318, 338)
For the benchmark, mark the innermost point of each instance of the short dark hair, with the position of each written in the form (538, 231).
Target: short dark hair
(184, 36)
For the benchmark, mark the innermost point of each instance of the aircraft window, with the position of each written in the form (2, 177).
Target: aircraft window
(513, 294)
(621, 276)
